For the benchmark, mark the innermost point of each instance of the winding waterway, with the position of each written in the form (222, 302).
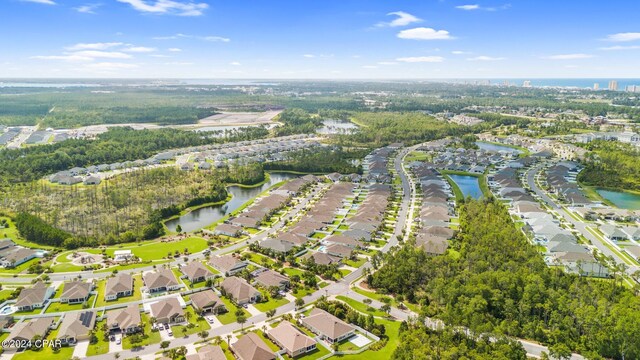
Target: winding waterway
(199, 218)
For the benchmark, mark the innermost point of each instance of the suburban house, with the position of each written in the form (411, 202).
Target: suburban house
(339, 250)
(16, 256)
(251, 347)
(208, 352)
(162, 280)
(228, 264)
(228, 230)
(270, 278)
(207, 301)
(34, 297)
(321, 258)
(76, 292)
(327, 326)
(6, 321)
(126, 319)
(119, 286)
(195, 272)
(238, 290)
(292, 340)
(28, 330)
(168, 311)
(76, 326)
(613, 233)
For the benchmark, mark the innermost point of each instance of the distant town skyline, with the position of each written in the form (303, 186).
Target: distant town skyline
(348, 39)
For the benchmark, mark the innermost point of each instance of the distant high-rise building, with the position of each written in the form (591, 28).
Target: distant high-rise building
(505, 83)
(596, 86)
(613, 85)
(633, 88)
(526, 84)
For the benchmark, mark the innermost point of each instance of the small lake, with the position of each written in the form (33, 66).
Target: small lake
(495, 147)
(199, 218)
(337, 127)
(468, 185)
(621, 199)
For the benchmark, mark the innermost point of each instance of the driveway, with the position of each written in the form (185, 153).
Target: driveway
(80, 350)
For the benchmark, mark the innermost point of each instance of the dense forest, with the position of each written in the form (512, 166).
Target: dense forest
(611, 164)
(493, 281)
(35, 229)
(115, 145)
(418, 342)
(320, 160)
(125, 208)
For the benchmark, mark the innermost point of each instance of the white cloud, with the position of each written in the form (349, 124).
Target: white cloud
(460, 52)
(139, 49)
(72, 57)
(369, 67)
(45, 2)
(403, 19)
(180, 8)
(308, 56)
(215, 38)
(620, 47)
(87, 8)
(623, 37)
(468, 7)
(235, 63)
(568, 57)
(110, 66)
(93, 46)
(485, 58)
(472, 7)
(421, 59)
(185, 36)
(103, 54)
(175, 50)
(423, 33)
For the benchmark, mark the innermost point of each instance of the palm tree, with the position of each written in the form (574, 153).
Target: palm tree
(229, 339)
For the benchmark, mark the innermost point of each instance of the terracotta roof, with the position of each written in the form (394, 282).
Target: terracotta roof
(251, 347)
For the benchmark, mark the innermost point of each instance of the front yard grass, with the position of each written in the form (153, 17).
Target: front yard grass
(230, 316)
(149, 337)
(200, 324)
(271, 304)
(62, 307)
(100, 347)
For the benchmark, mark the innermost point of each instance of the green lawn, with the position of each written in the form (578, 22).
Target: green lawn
(66, 267)
(200, 325)
(20, 268)
(319, 352)
(302, 292)
(133, 266)
(230, 316)
(101, 347)
(271, 304)
(356, 263)
(293, 271)
(393, 332)
(46, 353)
(149, 337)
(158, 250)
(266, 340)
(61, 307)
(358, 306)
(260, 259)
(137, 295)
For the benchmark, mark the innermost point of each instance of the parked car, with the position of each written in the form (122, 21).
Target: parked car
(119, 341)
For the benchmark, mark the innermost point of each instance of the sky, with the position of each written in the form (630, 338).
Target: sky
(319, 39)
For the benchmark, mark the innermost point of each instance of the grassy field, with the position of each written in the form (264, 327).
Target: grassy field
(393, 332)
(61, 307)
(271, 304)
(157, 250)
(137, 295)
(200, 325)
(46, 353)
(100, 347)
(133, 266)
(150, 337)
(230, 316)
(358, 306)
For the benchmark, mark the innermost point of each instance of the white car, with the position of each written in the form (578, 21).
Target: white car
(119, 341)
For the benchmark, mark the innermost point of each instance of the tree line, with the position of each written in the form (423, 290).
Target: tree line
(492, 280)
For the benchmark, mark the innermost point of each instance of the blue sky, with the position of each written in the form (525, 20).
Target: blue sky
(319, 39)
